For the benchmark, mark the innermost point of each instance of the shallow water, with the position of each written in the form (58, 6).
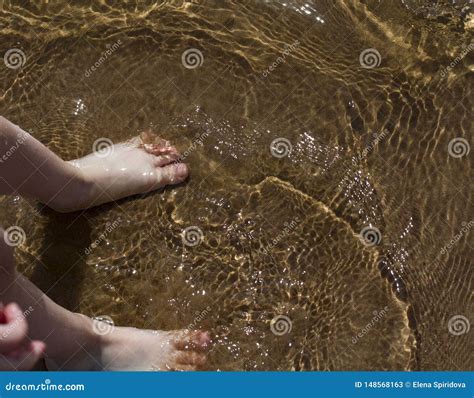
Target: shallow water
(274, 263)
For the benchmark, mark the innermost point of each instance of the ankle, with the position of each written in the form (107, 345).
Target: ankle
(75, 194)
(80, 345)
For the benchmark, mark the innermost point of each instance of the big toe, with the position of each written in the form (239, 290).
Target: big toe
(193, 341)
(191, 358)
(172, 174)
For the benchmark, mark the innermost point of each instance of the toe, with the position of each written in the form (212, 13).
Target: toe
(157, 150)
(193, 341)
(147, 137)
(172, 174)
(191, 358)
(163, 160)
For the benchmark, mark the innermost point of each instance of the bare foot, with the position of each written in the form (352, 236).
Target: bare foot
(122, 348)
(134, 349)
(140, 165)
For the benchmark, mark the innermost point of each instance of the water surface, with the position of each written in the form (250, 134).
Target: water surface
(362, 101)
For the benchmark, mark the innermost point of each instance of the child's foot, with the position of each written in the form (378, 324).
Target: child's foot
(123, 348)
(135, 349)
(140, 165)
